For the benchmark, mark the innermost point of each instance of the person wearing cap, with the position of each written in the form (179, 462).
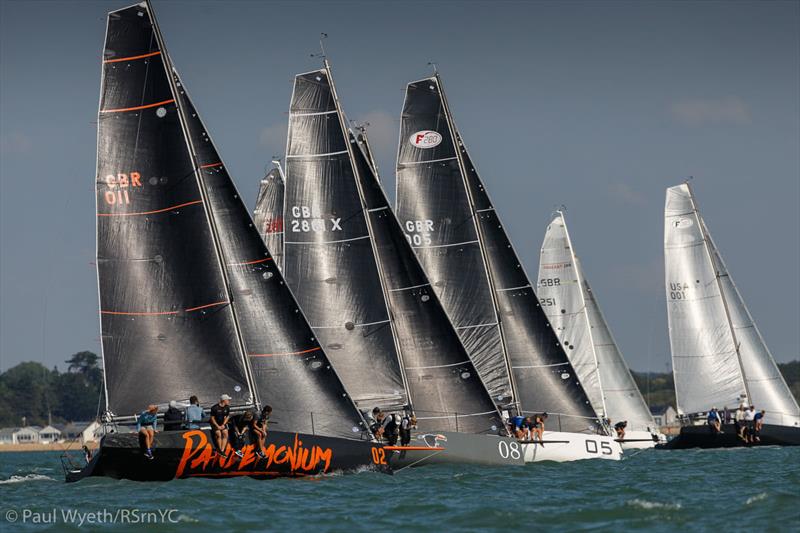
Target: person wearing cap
(146, 427)
(220, 416)
(173, 418)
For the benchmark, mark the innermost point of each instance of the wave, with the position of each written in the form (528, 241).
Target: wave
(644, 504)
(756, 498)
(29, 477)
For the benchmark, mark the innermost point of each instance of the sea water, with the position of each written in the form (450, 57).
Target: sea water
(691, 490)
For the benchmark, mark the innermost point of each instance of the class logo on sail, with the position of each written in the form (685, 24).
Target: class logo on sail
(683, 223)
(425, 139)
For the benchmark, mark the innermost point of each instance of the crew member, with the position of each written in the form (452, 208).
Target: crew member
(241, 430)
(619, 428)
(408, 422)
(758, 423)
(518, 427)
(260, 430)
(146, 427)
(739, 423)
(749, 420)
(714, 420)
(194, 413)
(538, 427)
(220, 417)
(173, 418)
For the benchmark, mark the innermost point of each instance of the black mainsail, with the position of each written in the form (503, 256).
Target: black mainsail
(168, 329)
(445, 388)
(268, 214)
(252, 311)
(328, 257)
(445, 210)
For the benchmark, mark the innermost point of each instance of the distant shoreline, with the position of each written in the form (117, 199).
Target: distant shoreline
(39, 447)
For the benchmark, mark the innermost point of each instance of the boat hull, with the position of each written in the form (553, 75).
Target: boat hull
(445, 447)
(189, 453)
(639, 440)
(562, 447)
(704, 437)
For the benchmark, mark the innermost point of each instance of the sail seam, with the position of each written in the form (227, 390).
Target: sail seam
(544, 366)
(195, 202)
(437, 366)
(431, 161)
(354, 325)
(315, 155)
(328, 242)
(315, 113)
(410, 287)
(255, 261)
(528, 286)
(210, 165)
(286, 353)
(446, 245)
(377, 209)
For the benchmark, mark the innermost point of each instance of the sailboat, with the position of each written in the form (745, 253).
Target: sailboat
(268, 214)
(457, 235)
(388, 335)
(719, 358)
(571, 306)
(190, 300)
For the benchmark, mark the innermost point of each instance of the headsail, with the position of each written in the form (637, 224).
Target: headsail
(575, 314)
(268, 214)
(446, 391)
(473, 266)
(168, 329)
(718, 355)
(329, 261)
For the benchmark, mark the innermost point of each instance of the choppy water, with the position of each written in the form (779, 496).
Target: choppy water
(753, 489)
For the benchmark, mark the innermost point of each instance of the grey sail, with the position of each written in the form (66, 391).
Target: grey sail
(268, 214)
(582, 325)
(290, 370)
(436, 215)
(328, 257)
(439, 192)
(718, 355)
(446, 391)
(168, 326)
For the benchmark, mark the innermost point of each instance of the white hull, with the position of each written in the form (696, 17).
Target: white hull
(641, 440)
(561, 447)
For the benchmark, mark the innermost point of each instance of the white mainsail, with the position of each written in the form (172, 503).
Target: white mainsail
(575, 314)
(718, 355)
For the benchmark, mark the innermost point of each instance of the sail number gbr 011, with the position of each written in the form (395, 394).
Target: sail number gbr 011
(118, 186)
(309, 220)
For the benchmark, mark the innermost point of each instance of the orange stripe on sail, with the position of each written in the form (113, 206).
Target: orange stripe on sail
(159, 313)
(149, 212)
(123, 109)
(287, 353)
(251, 262)
(131, 58)
(224, 302)
(211, 165)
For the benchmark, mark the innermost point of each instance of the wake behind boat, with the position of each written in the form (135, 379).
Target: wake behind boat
(719, 357)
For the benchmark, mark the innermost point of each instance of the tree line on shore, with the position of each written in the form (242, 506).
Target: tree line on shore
(39, 394)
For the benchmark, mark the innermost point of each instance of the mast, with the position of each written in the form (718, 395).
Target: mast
(204, 195)
(351, 155)
(706, 247)
(585, 310)
(460, 158)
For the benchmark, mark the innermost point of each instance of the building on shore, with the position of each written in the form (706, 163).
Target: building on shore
(23, 435)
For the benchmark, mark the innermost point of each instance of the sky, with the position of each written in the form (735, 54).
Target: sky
(598, 106)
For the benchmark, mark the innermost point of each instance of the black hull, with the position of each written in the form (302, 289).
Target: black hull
(184, 454)
(704, 437)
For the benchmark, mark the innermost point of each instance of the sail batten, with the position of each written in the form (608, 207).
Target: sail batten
(719, 356)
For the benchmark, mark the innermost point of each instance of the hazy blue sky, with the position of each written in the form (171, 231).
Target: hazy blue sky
(599, 106)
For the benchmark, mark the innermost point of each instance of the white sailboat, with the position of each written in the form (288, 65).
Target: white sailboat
(719, 357)
(570, 304)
